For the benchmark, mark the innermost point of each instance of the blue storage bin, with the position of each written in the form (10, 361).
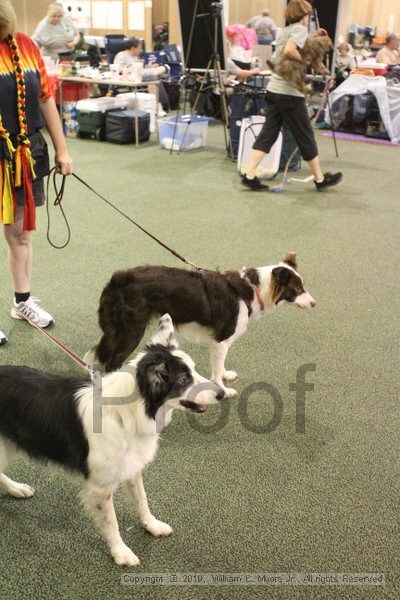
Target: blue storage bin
(185, 133)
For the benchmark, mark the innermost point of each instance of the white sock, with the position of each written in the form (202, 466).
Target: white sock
(320, 180)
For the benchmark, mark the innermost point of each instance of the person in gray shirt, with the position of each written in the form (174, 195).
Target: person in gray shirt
(287, 106)
(264, 26)
(56, 34)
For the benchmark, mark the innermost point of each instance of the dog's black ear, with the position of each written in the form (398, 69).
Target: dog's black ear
(281, 275)
(279, 280)
(290, 259)
(153, 380)
(157, 379)
(252, 275)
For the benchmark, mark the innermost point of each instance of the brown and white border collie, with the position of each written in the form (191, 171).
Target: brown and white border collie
(204, 306)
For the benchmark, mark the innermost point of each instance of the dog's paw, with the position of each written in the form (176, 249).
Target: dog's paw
(230, 392)
(158, 528)
(20, 490)
(230, 375)
(124, 557)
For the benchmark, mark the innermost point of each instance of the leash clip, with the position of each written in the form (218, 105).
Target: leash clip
(93, 373)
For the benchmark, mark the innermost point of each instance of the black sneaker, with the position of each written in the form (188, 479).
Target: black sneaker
(328, 181)
(254, 184)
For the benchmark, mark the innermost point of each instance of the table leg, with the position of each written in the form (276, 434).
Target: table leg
(136, 119)
(157, 111)
(60, 100)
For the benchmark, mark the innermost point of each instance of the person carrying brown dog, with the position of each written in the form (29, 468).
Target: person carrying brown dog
(286, 104)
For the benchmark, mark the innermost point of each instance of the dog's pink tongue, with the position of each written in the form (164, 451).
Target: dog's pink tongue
(192, 406)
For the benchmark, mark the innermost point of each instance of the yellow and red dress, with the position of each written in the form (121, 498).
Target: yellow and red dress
(24, 157)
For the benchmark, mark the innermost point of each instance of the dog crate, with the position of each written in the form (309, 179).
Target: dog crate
(183, 133)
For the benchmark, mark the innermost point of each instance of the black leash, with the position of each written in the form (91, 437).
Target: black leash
(59, 194)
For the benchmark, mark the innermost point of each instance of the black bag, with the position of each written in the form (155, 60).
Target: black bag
(242, 106)
(207, 103)
(120, 126)
(40, 154)
(172, 89)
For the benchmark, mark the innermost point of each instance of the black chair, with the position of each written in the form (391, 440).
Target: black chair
(114, 43)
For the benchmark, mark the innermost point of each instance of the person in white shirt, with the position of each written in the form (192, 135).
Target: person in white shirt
(131, 55)
(390, 54)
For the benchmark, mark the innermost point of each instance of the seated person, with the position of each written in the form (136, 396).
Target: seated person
(239, 73)
(241, 41)
(390, 54)
(345, 61)
(130, 56)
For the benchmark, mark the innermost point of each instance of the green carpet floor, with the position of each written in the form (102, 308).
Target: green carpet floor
(325, 500)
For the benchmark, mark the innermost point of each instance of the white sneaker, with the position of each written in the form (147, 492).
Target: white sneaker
(161, 111)
(32, 311)
(3, 339)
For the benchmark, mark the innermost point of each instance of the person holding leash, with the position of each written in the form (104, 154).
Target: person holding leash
(286, 105)
(26, 105)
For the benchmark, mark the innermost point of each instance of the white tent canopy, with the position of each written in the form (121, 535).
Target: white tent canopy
(388, 98)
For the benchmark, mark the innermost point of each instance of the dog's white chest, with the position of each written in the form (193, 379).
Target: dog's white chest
(114, 461)
(141, 453)
(195, 333)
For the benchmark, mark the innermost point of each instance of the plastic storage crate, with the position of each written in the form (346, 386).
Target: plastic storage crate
(183, 133)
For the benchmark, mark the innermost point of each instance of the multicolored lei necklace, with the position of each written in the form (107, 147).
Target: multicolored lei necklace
(16, 162)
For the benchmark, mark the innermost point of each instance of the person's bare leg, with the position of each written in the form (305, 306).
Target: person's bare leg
(315, 167)
(19, 253)
(256, 159)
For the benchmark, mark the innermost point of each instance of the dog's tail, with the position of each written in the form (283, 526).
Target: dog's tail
(121, 279)
(123, 319)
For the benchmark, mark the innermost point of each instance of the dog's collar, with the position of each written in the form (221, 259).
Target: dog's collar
(260, 300)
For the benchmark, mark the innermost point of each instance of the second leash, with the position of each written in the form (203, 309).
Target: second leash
(59, 194)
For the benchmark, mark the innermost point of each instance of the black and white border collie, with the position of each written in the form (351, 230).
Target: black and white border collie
(51, 417)
(204, 306)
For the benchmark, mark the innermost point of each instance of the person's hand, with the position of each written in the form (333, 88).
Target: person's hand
(321, 31)
(256, 71)
(64, 164)
(71, 44)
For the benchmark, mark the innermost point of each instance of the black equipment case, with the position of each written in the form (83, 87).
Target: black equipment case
(120, 126)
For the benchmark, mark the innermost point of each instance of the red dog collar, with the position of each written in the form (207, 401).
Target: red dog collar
(260, 300)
